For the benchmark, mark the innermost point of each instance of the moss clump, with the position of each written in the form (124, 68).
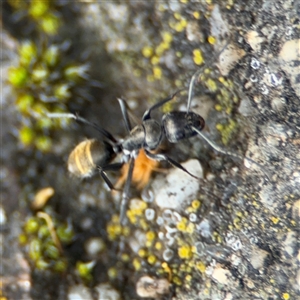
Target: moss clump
(44, 81)
(44, 251)
(41, 13)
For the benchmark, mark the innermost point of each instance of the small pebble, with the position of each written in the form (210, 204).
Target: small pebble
(94, 246)
(3, 218)
(221, 275)
(180, 186)
(107, 292)
(79, 292)
(257, 258)
(151, 287)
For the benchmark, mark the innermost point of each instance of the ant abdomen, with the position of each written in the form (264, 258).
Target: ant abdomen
(87, 155)
(178, 125)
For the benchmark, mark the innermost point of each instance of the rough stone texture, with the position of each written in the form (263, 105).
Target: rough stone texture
(256, 219)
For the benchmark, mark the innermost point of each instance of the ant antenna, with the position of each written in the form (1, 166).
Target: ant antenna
(147, 114)
(219, 149)
(84, 121)
(200, 71)
(124, 111)
(211, 143)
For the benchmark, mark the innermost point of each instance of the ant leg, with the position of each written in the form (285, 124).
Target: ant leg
(125, 195)
(84, 121)
(174, 163)
(147, 113)
(219, 149)
(111, 167)
(125, 114)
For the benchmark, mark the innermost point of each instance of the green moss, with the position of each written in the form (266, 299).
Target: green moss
(23, 102)
(44, 81)
(39, 73)
(35, 249)
(18, 76)
(65, 233)
(41, 13)
(60, 265)
(45, 252)
(43, 143)
(42, 265)
(84, 270)
(50, 23)
(31, 226)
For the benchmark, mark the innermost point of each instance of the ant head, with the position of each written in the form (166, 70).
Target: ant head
(195, 120)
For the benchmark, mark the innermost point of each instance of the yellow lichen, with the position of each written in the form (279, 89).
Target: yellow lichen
(275, 220)
(218, 107)
(154, 60)
(136, 264)
(197, 56)
(151, 259)
(142, 253)
(285, 296)
(211, 40)
(167, 37)
(181, 226)
(150, 235)
(177, 280)
(185, 252)
(196, 15)
(200, 266)
(147, 51)
(113, 230)
(125, 257)
(196, 204)
(211, 85)
(167, 269)
(190, 228)
(112, 273)
(157, 72)
(158, 246)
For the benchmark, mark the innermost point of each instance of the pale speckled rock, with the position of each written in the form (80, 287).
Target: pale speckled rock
(137, 240)
(94, 246)
(219, 27)
(296, 210)
(151, 287)
(254, 40)
(289, 244)
(179, 186)
(79, 292)
(107, 292)
(297, 280)
(3, 218)
(289, 57)
(258, 257)
(221, 275)
(229, 57)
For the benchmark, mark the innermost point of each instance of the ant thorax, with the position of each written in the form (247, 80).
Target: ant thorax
(129, 154)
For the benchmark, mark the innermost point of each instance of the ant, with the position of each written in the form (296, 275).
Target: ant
(98, 154)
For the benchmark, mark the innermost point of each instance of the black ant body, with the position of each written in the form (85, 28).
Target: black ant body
(91, 155)
(97, 155)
